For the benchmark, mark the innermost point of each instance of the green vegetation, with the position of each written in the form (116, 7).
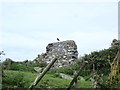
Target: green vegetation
(21, 66)
(15, 79)
(101, 63)
(19, 74)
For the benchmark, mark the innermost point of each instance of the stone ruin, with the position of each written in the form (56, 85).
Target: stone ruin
(65, 50)
(115, 42)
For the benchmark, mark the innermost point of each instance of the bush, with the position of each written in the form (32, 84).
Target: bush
(65, 70)
(12, 80)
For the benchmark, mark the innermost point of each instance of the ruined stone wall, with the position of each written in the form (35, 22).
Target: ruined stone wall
(115, 42)
(66, 51)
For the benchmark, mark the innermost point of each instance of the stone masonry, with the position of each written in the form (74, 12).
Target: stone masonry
(65, 50)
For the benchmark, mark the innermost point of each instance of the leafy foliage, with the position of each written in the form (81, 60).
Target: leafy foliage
(101, 63)
(53, 79)
(16, 79)
(21, 66)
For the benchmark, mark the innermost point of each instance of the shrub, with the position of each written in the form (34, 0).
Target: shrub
(14, 80)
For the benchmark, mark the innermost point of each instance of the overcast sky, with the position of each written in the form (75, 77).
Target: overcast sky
(27, 28)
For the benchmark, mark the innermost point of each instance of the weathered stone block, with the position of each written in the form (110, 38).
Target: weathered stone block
(65, 50)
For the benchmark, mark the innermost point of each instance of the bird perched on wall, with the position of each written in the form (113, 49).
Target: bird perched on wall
(58, 39)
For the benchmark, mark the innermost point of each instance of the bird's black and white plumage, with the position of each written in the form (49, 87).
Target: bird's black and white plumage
(58, 39)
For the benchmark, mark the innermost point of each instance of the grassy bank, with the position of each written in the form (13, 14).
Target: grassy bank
(14, 79)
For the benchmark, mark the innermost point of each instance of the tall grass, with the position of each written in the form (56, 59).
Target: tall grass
(15, 79)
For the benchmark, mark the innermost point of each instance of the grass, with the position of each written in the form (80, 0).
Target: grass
(85, 84)
(18, 78)
(55, 82)
(24, 79)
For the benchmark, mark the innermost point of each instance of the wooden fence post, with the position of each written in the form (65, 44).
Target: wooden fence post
(90, 61)
(77, 74)
(39, 77)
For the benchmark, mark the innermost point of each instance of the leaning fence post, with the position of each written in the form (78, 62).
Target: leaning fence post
(39, 77)
(76, 75)
(90, 61)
